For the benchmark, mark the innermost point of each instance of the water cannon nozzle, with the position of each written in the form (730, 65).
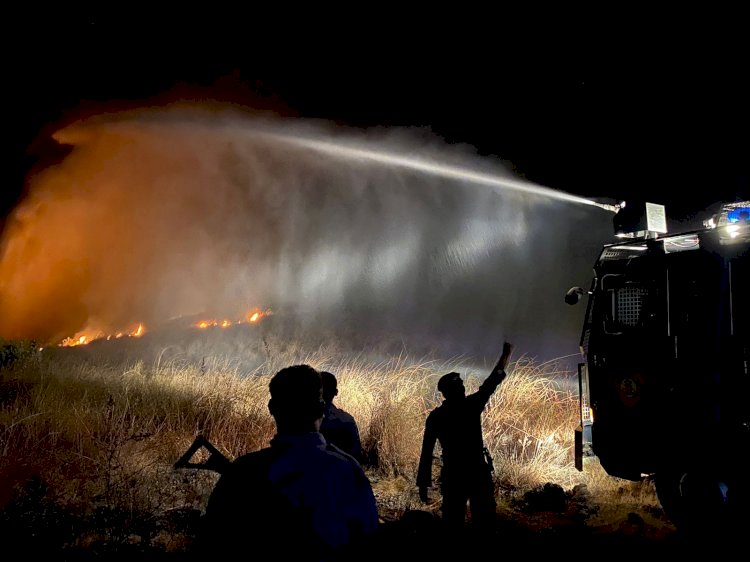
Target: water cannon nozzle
(610, 205)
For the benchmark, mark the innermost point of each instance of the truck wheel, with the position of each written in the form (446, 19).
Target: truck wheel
(695, 501)
(668, 491)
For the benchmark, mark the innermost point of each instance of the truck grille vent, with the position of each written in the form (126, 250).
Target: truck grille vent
(629, 305)
(622, 252)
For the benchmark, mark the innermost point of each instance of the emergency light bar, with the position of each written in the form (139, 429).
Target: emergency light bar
(733, 222)
(739, 214)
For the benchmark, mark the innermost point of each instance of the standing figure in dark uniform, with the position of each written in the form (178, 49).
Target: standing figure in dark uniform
(466, 475)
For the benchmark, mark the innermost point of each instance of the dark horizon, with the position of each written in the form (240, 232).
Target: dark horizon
(632, 130)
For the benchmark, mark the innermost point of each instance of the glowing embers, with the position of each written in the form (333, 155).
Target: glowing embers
(213, 323)
(83, 338)
(252, 316)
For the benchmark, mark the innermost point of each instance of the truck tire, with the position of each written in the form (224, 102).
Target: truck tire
(695, 501)
(668, 491)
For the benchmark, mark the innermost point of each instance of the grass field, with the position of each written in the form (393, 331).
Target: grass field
(89, 436)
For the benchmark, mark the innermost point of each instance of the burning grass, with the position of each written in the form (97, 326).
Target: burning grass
(87, 444)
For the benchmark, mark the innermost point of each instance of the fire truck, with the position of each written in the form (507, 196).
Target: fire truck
(664, 384)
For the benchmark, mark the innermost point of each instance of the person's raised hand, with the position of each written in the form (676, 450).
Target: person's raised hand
(505, 357)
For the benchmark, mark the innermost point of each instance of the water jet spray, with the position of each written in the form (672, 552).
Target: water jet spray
(352, 151)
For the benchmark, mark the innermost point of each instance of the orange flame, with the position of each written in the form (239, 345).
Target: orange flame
(251, 316)
(255, 315)
(83, 338)
(86, 338)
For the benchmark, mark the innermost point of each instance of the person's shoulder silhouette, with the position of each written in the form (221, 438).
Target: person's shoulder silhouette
(299, 497)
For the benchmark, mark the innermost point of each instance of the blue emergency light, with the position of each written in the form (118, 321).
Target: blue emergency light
(738, 214)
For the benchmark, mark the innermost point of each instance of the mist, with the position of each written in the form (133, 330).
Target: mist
(166, 213)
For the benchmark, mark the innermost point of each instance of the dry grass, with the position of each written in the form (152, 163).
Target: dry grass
(89, 442)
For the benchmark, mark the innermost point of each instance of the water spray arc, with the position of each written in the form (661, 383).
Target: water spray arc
(342, 150)
(356, 150)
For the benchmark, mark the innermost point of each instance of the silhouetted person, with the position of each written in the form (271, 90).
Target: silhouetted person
(338, 426)
(466, 474)
(300, 498)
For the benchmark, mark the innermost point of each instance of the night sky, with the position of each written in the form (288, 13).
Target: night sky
(666, 120)
(658, 127)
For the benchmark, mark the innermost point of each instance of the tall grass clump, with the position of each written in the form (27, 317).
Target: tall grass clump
(528, 426)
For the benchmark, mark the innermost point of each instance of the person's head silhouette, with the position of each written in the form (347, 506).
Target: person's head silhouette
(451, 386)
(330, 387)
(296, 399)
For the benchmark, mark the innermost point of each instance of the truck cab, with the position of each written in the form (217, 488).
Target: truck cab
(664, 384)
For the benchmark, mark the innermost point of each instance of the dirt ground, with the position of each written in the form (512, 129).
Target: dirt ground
(549, 522)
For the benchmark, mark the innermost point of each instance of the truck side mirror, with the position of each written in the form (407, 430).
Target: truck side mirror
(574, 295)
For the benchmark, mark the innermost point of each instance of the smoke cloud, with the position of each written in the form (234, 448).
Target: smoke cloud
(177, 211)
